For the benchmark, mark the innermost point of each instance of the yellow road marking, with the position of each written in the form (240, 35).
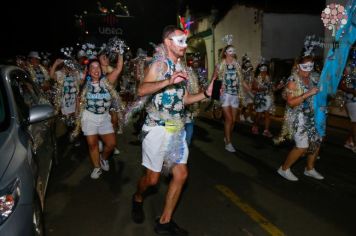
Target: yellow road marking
(252, 213)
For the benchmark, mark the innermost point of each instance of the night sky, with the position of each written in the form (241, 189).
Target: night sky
(26, 26)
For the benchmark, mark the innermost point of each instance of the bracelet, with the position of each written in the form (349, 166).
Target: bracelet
(206, 95)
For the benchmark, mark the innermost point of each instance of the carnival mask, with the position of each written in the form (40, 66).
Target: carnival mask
(180, 40)
(308, 66)
(263, 68)
(231, 51)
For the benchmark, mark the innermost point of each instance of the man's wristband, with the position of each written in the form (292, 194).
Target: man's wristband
(206, 95)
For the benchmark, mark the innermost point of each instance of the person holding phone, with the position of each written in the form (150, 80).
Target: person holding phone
(229, 72)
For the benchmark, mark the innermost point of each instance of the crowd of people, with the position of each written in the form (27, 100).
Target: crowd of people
(166, 92)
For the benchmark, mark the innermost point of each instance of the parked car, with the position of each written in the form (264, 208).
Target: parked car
(27, 148)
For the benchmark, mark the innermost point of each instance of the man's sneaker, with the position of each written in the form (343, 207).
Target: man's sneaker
(254, 130)
(242, 118)
(101, 146)
(95, 174)
(170, 228)
(116, 151)
(287, 174)
(230, 148)
(249, 120)
(137, 213)
(267, 134)
(313, 173)
(104, 164)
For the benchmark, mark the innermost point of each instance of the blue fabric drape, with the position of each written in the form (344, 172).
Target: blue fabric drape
(334, 66)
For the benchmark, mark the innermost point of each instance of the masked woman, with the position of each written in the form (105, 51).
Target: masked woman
(299, 120)
(229, 71)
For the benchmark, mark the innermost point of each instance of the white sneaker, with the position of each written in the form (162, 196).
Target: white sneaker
(313, 173)
(287, 174)
(242, 118)
(116, 151)
(230, 148)
(101, 146)
(249, 120)
(104, 164)
(96, 173)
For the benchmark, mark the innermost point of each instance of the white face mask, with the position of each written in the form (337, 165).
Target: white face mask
(231, 51)
(308, 66)
(263, 68)
(180, 40)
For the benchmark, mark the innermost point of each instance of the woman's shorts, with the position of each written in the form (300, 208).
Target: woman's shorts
(155, 146)
(351, 109)
(228, 100)
(267, 106)
(93, 124)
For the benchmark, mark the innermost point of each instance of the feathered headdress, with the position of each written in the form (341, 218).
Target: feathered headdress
(185, 24)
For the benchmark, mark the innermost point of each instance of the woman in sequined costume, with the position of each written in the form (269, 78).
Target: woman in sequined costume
(229, 71)
(97, 97)
(263, 99)
(299, 121)
(247, 101)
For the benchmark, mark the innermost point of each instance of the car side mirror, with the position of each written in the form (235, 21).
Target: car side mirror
(40, 113)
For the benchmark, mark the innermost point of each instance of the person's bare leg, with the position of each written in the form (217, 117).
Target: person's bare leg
(180, 174)
(227, 123)
(149, 179)
(109, 141)
(292, 157)
(311, 160)
(93, 149)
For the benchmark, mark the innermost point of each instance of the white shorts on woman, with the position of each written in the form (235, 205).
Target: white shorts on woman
(351, 110)
(93, 124)
(228, 100)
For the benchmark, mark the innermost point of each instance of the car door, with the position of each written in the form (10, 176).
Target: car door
(26, 94)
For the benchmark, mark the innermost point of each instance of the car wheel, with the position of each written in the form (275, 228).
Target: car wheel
(38, 224)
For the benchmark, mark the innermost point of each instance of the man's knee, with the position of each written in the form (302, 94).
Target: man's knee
(180, 173)
(152, 178)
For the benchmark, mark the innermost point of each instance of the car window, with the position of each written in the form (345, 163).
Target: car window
(25, 92)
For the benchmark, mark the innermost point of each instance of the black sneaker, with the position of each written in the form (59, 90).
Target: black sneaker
(137, 213)
(170, 228)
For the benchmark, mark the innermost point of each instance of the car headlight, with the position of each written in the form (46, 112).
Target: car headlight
(9, 198)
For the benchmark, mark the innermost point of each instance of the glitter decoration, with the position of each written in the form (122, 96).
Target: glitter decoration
(311, 42)
(334, 16)
(90, 50)
(175, 149)
(69, 61)
(227, 39)
(115, 46)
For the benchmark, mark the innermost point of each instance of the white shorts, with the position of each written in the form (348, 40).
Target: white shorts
(96, 123)
(155, 146)
(228, 100)
(351, 110)
(300, 137)
(267, 106)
